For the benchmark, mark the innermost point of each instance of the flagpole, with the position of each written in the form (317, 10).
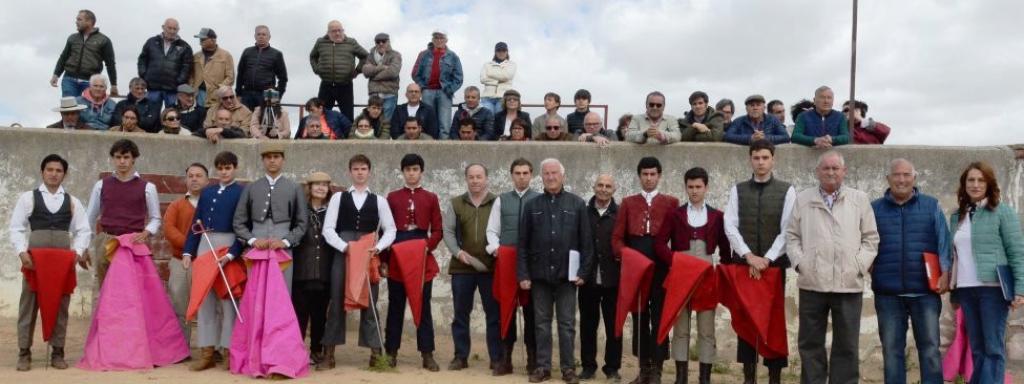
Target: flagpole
(853, 67)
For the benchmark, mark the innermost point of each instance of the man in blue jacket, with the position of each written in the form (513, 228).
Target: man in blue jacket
(756, 125)
(439, 73)
(822, 126)
(910, 223)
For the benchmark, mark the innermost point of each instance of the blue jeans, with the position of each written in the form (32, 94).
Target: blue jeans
(463, 287)
(923, 313)
(985, 312)
(70, 86)
(169, 98)
(390, 102)
(201, 97)
(492, 103)
(442, 104)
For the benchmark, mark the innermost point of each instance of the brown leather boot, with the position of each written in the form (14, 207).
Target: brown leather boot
(24, 359)
(205, 360)
(374, 354)
(227, 359)
(328, 361)
(393, 359)
(429, 363)
(57, 358)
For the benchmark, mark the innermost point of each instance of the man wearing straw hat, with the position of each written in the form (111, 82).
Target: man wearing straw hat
(70, 115)
(351, 215)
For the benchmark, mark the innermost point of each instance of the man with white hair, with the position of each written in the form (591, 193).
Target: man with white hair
(911, 225)
(555, 256)
(595, 132)
(821, 127)
(831, 240)
(165, 63)
(240, 115)
(99, 107)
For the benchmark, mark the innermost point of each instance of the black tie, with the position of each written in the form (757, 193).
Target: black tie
(970, 210)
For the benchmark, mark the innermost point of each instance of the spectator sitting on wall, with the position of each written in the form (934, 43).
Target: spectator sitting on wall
(553, 132)
(149, 111)
(653, 127)
(335, 125)
(594, 131)
(269, 121)
(511, 109)
(414, 107)
(551, 103)
(171, 123)
(517, 132)
(756, 125)
(314, 128)
(129, 121)
(240, 115)
(620, 130)
(471, 108)
(701, 122)
(468, 130)
(364, 128)
(414, 130)
(99, 107)
(821, 127)
(728, 110)
(192, 114)
(225, 128)
(800, 107)
(865, 132)
(70, 115)
(575, 119)
(374, 111)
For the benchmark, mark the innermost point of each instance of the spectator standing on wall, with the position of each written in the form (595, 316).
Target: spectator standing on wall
(382, 68)
(85, 53)
(333, 59)
(496, 76)
(260, 67)
(165, 63)
(439, 73)
(212, 67)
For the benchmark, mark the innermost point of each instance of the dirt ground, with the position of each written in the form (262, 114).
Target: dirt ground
(352, 362)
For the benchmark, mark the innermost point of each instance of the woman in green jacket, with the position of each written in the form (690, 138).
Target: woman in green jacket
(987, 236)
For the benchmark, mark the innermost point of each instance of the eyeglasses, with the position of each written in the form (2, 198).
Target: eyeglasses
(227, 97)
(171, 118)
(655, 105)
(553, 127)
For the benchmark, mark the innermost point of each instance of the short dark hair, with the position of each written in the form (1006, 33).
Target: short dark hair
(413, 119)
(89, 15)
(198, 165)
(760, 145)
(375, 101)
(696, 173)
(724, 102)
(359, 159)
(124, 146)
(857, 104)
(656, 93)
(520, 162)
(53, 157)
(133, 109)
(558, 99)
(468, 121)
(582, 94)
(800, 107)
(411, 159)
(225, 158)
(647, 163)
(698, 95)
(772, 104)
(314, 102)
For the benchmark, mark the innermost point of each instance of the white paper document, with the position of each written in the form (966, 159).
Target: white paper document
(574, 264)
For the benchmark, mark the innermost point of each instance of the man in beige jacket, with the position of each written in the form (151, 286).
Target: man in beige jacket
(831, 240)
(212, 68)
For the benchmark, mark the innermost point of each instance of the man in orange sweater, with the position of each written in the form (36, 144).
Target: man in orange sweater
(177, 224)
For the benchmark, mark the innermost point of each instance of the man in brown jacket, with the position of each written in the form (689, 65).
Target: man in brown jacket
(382, 67)
(212, 68)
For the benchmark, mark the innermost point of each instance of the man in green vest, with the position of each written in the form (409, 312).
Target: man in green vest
(503, 229)
(757, 212)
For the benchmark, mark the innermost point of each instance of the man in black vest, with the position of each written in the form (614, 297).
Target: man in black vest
(597, 298)
(46, 217)
(755, 216)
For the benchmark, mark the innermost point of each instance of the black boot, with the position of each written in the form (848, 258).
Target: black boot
(57, 358)
(775, 375)
(749, 373)
(705, 374)
(682, 370)
(531, 358)
(642, 377)
(654, 373)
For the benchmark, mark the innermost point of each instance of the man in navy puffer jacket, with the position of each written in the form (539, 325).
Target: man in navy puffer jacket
(909, 224)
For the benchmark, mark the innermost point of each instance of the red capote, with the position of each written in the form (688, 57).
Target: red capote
(506, 287)
(684, 276)
(410, 257)
(757, 307)
(357, 263)
(634, 285)
(206, 275)
(53, 277)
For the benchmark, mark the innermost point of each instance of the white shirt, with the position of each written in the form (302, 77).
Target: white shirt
(273, 180)
(152, 206)
(387, 222)
(19, 227)
(413, 109)
(697, 215)
(732, 225)
(966, 268)
(649, 197)
(494, 224)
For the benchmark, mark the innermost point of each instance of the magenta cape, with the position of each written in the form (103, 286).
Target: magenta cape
(134, 325)
(268, 341)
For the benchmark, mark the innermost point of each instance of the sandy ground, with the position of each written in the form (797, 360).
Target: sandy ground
(352, 362)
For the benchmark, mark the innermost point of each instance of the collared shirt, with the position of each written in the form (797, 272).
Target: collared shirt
(494, 222)
(649, 197)
(697, 215)
(829, 198)
(273, 180)
(20, 228)
(152, 206)
(732, 225)
(387, 222)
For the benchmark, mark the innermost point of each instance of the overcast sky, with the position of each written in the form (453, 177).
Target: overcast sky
(937, 72)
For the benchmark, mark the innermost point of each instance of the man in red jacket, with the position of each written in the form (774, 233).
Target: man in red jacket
(177, 223)
(865, 131)
(639, 220)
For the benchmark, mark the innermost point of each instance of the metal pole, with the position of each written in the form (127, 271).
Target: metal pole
(216, 260)
(853, 66)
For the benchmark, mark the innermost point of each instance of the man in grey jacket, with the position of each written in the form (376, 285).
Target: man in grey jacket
(554, 257)
(272, 210)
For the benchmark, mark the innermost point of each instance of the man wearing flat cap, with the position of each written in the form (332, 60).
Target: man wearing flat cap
(756, 125)
(382, 67)
(212, 68)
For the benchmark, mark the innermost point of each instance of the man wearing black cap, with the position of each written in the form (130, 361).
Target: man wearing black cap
(212, 68)
(496, 76)
(382, 68)
(756, 125)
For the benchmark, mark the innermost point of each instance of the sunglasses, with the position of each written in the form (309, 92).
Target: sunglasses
(553, 127)
(171, 118)
(655, 105)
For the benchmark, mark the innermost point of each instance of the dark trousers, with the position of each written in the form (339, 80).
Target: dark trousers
(250, 99)
(551, 300)
(529, 330)
(337, 94)
(396, 316)
(645, 334)
(311, 310)
(985, 313)
(464, 285)
(596, 302)
(815, 308)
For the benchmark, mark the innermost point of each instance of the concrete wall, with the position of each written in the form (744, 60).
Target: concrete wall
(939, 168)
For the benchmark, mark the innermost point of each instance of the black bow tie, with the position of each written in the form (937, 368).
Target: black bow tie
(971, 207)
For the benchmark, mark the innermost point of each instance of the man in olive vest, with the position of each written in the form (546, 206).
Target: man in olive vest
(503, 229)
(755, 216)
(46, 217)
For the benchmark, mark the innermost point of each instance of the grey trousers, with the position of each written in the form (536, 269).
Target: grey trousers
(551, 300)
(179, 285)
(705, 336)
(28, 307)
(815, 308)
(370, 323)
(216, 317)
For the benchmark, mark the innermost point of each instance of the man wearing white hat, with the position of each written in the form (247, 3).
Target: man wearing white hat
(70, 111)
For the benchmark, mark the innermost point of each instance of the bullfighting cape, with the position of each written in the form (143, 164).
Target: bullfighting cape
(269, 341)
(206, 275)
(133, 325)
(757, 307)
(686, 274)
(52, 277)
(411, 260)
(357, 276)
(506, 287)
(634, 285)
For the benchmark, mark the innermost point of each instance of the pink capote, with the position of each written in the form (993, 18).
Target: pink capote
(958, 360)
(269, 341)
(134, 325)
